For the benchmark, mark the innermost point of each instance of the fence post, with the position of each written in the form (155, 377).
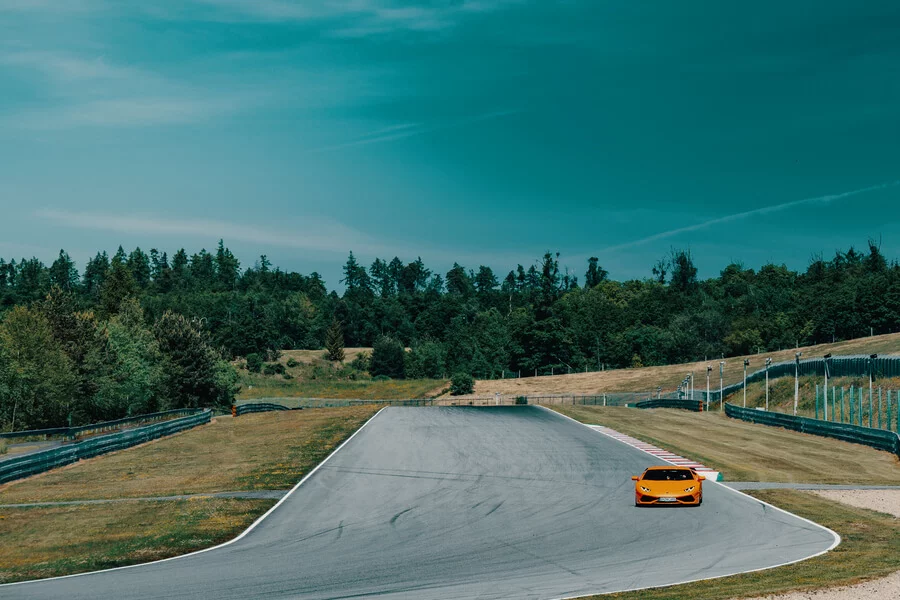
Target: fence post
(833, 403)
(842, 405)
(851, 405)
(880, 409)
(889, 410)
(871, 407)
(817, 401)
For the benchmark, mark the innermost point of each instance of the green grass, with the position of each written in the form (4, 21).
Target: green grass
(869, 549)
(62, 540)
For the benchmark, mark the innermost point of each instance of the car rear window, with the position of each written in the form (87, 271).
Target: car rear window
(667, 475)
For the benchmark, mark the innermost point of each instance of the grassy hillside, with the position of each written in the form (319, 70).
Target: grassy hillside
(648, 378)
(307, 374)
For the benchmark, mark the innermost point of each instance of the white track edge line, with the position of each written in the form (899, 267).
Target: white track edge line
(223, 544)
(837, 537)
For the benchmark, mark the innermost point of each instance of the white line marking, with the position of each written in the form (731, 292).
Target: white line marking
(222, 545)
(837, 538)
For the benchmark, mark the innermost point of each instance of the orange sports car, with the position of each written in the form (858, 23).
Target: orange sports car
(668, 485)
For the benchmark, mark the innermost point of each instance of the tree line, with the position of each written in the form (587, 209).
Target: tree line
(122, 324)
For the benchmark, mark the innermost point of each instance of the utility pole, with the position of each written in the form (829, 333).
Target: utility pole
(721, 385)
(796, 380)
(746, 364)
(768, 363)
(872, 358)
(708, 371)
(827, 356)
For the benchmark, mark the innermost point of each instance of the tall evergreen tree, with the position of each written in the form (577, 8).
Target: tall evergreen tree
(228, 267)
(139, 265)
(95, 274)
(119, 284)
(334, 341)
(63, 273)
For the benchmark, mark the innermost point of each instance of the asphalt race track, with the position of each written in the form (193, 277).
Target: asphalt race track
(447, 503)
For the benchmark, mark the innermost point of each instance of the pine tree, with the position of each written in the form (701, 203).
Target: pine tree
(334, 341)
(63, 273)
(119, 284)
(139, 265)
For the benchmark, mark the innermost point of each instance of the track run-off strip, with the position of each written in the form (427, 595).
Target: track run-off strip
(659, 452)
(247, 495)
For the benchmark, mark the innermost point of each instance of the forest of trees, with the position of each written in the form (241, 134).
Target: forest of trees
(143, 331)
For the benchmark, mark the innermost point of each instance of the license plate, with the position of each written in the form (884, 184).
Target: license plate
(667, 500)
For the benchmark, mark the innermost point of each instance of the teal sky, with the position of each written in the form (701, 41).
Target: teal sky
(482, 131)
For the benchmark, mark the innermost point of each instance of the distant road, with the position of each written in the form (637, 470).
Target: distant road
(451, 503)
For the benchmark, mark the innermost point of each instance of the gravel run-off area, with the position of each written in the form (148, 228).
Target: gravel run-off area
(885, 501)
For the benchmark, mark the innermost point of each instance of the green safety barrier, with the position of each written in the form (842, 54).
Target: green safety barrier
(38, 462)
(694, 405)
(876, 438)
(243, 409)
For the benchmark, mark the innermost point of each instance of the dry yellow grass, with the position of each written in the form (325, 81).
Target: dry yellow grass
(648, 378)
(60, 540)
(257, 451)
(744, 451)
(311, 357)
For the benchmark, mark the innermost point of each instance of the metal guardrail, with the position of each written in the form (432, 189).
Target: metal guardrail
(694, 405)
(876, 438)
(70, 433)
(38, 462)
(243, 409)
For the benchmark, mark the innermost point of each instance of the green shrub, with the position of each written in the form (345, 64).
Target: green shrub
(521, 400)
(388, 358)
(292, 363)
(462, 383)
(254, 362)
(288, 376)
(425, 361)
(273, 369)
(361, 362)
(381, 378)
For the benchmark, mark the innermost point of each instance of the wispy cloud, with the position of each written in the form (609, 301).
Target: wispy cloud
(49, 5)
(407, 130)
(66, 68)
(766, 210)
(355, 18)
(92, 91)
(307, 234)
